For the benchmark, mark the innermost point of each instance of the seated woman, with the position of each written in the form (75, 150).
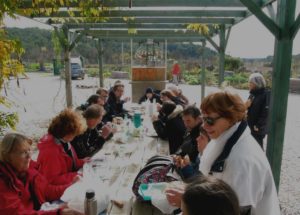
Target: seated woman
(169, 125)
(57, 158)
(23, 189)
(168, 95)
(178, 94)
(93, 99)
(234, 156)
(208, 195)
(150, 95)
(91, 141)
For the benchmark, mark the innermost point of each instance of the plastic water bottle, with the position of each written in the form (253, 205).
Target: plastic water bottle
(154, 106)
(90, 203)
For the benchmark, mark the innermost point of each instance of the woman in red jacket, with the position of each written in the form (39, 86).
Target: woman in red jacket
(57, 158)
(22, 188)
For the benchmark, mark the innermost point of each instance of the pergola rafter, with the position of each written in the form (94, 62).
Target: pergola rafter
(156, 3)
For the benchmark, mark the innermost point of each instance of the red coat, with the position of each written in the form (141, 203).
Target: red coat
(54, 163)
(16, 197)
(176, 69)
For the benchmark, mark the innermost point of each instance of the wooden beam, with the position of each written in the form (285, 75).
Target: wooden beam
(209, 39)
(152, 20)
(157, 3)
(280, 87)
(222, 54)
(100, 61)
(271, 12)
(99, 26)
(203, 78)
(227, 36)
(149, 13)
(264, 19)
(295, 27)
(148, 33)
(157, 38)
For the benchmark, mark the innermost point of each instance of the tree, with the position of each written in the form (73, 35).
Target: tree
(10, 62)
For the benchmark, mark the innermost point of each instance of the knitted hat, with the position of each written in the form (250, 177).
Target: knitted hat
(149, 90)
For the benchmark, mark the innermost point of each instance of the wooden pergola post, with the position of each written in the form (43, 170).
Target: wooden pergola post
(222, 54)
(280, 85)
(100, 61)
(284, 31)
(203, 78)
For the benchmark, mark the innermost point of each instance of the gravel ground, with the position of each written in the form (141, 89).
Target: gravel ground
(42, 96)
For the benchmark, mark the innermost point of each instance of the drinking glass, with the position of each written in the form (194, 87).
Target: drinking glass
(137, 120)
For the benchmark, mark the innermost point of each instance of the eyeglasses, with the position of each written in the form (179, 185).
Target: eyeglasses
(210, 120)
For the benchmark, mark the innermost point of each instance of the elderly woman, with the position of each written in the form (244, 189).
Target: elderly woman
(258, 107)
(23, 189)
(233, 155)
(57, 158)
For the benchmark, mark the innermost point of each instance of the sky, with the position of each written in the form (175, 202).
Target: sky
(248, 39)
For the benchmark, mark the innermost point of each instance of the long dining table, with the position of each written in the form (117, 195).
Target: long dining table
(120, 163)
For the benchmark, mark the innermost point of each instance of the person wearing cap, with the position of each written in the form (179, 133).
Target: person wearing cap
(150, 95)
(258, 107)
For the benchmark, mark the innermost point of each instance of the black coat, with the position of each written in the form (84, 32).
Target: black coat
(189, 146)
(88, 143)
(171, 128)
(114, 107)
(258, 111)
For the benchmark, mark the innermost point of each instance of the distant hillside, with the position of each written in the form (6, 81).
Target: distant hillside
(266, 64)
(37, 43)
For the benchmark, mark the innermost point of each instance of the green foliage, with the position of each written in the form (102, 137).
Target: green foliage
(94, 72)
(56, 45)
(233, 64)
(193, 77)
(200, 28)
(7, 120)
(238, 80)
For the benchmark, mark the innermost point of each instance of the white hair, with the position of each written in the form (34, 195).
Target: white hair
(258, 80)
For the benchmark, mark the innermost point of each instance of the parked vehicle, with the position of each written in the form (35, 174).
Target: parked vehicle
(77, 70)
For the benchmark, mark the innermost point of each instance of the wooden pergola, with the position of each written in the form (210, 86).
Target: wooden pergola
(168, 19)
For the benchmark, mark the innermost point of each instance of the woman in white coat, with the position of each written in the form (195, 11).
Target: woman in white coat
(234, 156)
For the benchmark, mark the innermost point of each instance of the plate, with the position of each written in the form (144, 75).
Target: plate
(147, 191)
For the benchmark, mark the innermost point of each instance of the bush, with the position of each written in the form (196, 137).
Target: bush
(94, 72)
(238, 80)
(192, 79)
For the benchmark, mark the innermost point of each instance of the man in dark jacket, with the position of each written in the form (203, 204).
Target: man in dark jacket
(169, 125)
(258, 107)
(91, 141)
(192, 121)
